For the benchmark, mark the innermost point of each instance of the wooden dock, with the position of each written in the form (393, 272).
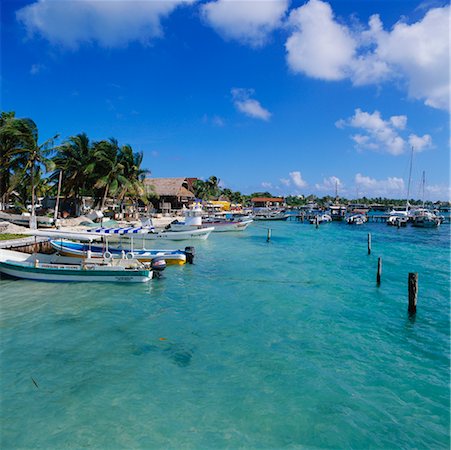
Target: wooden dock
(29, 244)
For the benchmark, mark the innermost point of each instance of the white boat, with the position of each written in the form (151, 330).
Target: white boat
(321, 218)
(271, 215)
(148, 233)
(42, 267)
(423, 218)
(24, 219)
(193, 220)
(356, 219)
(220, 225)
(398, 218)
(82, 250)
(337, 212)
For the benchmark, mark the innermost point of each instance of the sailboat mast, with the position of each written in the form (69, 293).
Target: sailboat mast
(424, 182)
(410, 177)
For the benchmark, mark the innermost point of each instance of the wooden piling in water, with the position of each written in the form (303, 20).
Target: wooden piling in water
(317, 222)
(379, 271)
(268, 236)
(413, 292)
(369, 243)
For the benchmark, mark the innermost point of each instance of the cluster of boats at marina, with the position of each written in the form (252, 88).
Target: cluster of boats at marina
(119, 254)
(128, 254)
(418, 217)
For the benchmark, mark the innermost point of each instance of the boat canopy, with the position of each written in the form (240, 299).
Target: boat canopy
(58, 234)
(126, 230)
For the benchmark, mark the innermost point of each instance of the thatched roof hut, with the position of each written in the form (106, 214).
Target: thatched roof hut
(172, 193)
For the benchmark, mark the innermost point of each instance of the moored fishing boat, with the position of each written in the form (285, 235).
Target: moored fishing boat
(80, 250)
(42, 267)
(423, 218)
(337, 212)
(24, 219)
(271, 215)
(219, 224)
(147, 232)
(356, 219)
(321, 218)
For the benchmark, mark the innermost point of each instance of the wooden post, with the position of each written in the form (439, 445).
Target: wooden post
(379, 271)
(413, 292)
(55, 217)
(369, 243)
(268, 236)
(317, 222)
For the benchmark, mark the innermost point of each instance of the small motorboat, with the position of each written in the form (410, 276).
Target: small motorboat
(321, 218)
(82, 250)
(148, 233)
(41, 267)
(423, 218)
(356, 219)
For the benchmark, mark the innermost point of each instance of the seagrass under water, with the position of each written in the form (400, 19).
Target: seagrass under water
(286, 343)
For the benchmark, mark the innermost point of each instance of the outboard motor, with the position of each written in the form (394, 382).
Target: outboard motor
(158, 264)
(189, 252)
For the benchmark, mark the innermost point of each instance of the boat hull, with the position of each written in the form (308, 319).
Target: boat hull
(219, 227)
(18, 219)
(69, 274)
(170, 236)
(77, 250)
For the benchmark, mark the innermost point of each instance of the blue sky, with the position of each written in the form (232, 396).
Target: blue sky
(290, 97)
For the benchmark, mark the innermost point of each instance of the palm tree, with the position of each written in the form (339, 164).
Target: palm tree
(108, 170)
(12, 132)
(133, 173)
(34, 156)
(75, 158)
(213, 186)
(21, 152)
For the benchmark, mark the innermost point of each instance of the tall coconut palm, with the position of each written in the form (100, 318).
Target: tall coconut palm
(108, 170)
(134, 174)
(35, 156)
(22, 151)
(213, 186)
(12, 135)
(75, 158)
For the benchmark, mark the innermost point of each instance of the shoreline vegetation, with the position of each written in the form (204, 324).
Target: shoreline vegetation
(104, 170)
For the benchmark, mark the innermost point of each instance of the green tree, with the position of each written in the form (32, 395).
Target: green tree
(107, 169)
(75, 157)
(133, 173)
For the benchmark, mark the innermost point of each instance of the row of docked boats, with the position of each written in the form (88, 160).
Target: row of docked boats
(113, 254)
(420, 218)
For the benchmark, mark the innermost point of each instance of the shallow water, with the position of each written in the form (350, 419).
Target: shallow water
(282, 344)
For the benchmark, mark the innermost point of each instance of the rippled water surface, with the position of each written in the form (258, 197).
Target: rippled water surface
(282, 344)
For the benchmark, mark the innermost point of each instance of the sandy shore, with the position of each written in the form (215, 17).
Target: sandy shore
(74, 225)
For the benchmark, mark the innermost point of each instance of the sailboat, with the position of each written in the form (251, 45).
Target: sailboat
(337, 211)
(399, 218)
(422, 217)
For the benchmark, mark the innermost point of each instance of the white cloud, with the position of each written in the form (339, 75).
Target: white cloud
(330, 184)
(266, 185)
(285, 181)
(249, 22)
(399, 121)
(319, 46)
(249, 106)
(418, 54)
(109, 23)
(420, 143)
(296, 178)
(383, 135)
(370, 187)
(438, 192)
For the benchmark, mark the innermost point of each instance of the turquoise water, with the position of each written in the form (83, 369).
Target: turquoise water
(258, 345)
